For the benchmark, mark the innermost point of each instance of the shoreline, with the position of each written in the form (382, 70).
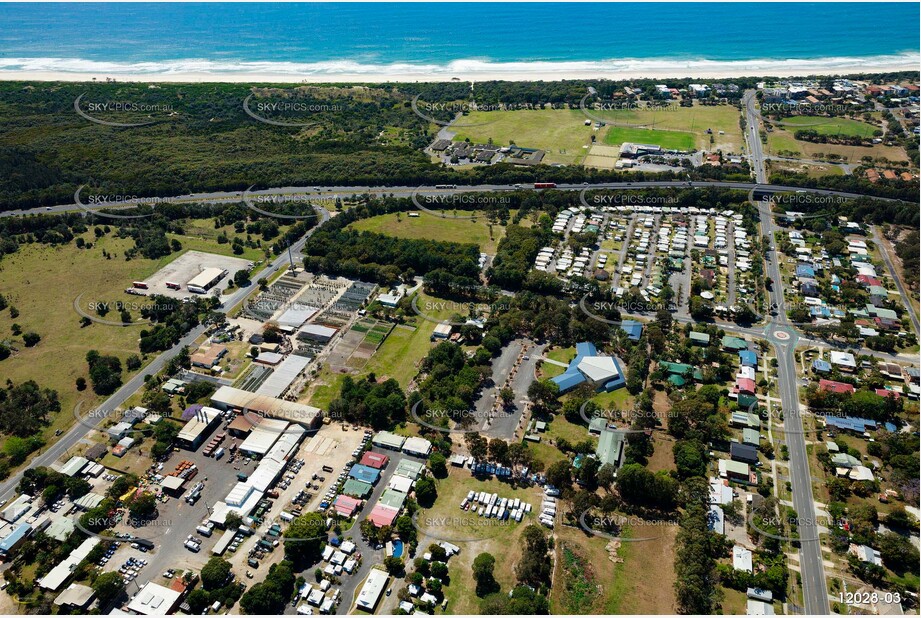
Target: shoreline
(519, 74)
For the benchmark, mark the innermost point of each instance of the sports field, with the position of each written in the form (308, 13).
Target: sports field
(671, 140)
(694, 120)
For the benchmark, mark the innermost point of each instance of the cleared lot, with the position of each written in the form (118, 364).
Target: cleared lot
(183, 269)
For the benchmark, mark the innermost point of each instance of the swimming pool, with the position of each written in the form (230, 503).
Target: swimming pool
(397, 549)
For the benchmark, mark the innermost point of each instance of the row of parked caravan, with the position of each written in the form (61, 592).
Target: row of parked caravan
(491, 505)
(548, 511)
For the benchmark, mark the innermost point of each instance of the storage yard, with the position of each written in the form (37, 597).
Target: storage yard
(194, 272)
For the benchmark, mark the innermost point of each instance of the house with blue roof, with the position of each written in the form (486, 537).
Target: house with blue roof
(14, 539)
(820, 311)
(850, 423)
(365, 474)
(603, 372)
(821, 366)
(805, 270)
(748, 358)
(633, 329)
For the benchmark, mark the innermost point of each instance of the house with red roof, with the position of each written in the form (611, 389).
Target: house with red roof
(883, 392)
(835, 387)
(383, 516)
(745, 386)
(867, 280)
(374, 460)
(347, 506)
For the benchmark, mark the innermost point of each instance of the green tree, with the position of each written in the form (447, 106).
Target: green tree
(198, 600)
(108, 586)
(143, 506)
(215, 573)
(426, 492)
(305, 537)
(438, 465)
(483, 567)
(558, 474)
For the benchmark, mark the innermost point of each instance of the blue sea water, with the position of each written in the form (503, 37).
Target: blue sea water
(438, 39)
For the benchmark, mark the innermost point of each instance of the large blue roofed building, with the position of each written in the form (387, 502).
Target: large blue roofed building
(602, 371)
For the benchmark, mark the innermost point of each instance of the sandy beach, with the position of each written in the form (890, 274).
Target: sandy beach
(461, 71)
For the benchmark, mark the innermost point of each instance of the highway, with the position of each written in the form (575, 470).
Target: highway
(80, 429)
(753, 137)
(784, 337)
(344, 191)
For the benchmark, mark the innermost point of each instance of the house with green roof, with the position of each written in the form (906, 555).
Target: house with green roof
(597, 425)
(845, 460)
(610, 447)
(357, 489)
(699, 338)
(409, 468)
(745, 419)
(733, 344)
(392, 499)
(747, 402)
(751, 436)
(680, 370)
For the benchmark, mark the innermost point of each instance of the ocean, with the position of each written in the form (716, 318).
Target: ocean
(445, 38)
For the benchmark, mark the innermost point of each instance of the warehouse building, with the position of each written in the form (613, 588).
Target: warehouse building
(419, 447)
(17, 508)
(205, 280)
(317, 332)
(199, 427)
(59, 575)
(296, 315)
(283, 376)
(263, 436)
(254, 405)
(385, 439)
(155, 600)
